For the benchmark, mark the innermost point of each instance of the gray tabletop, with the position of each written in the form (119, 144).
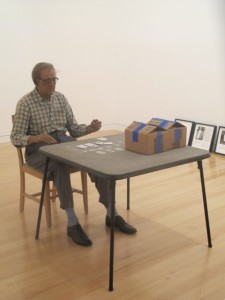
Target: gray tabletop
(107, 158)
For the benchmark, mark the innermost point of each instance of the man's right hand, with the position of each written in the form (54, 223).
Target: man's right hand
(43, 137)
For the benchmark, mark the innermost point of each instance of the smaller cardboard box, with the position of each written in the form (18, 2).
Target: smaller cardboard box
(158, 135)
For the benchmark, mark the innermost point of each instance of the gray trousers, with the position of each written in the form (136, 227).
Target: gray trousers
(60, 174)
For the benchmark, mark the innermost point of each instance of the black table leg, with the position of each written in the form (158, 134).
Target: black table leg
(42, 198)
(128, 193)
(111, 258)
(205, 203)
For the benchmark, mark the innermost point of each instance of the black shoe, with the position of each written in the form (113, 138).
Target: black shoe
(121, 225)
(78, 235)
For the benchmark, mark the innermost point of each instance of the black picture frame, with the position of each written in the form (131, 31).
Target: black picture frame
(190, 125)
(203, 136)
(220, 141)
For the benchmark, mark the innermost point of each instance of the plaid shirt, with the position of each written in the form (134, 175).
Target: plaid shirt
(35, 115)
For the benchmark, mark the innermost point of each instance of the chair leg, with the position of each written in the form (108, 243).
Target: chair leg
(47, 205)
(85, 190)
(22, 191)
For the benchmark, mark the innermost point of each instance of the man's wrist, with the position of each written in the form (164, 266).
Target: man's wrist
(89, 129)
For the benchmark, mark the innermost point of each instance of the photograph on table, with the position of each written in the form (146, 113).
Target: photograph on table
(190, 125)
(220, 141)
(203, 136)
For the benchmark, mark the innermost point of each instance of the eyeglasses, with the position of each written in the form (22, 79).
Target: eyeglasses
(49, 80)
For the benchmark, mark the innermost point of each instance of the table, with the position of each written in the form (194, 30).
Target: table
(107, 158)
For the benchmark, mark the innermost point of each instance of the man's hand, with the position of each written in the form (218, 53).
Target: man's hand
(43, 137)
(94, 126)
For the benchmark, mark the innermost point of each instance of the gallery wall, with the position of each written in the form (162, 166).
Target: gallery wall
(119, 60)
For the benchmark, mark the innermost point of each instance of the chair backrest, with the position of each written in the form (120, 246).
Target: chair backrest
(20, 156)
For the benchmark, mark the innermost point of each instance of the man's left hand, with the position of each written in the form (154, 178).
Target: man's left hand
(94, 126)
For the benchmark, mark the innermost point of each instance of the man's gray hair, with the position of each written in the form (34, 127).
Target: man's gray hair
(38, 68)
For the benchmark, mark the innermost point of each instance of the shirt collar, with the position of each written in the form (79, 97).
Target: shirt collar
(41, 98)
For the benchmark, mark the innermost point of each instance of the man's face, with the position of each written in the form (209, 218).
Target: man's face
(46, 83)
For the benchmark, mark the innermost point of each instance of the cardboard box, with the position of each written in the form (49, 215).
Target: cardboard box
(158, 135)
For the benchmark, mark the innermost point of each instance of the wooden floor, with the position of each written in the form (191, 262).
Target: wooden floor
(168, 259)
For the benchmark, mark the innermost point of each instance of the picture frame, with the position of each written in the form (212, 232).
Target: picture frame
(190, 125)
(203, 137)
(220, 141)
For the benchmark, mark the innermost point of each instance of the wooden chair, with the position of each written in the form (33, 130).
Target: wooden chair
(50, 192)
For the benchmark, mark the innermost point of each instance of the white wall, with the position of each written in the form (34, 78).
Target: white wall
(118, 60)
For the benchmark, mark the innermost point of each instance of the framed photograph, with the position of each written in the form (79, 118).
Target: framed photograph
(190, 129)
(220, 141)
(203, 137)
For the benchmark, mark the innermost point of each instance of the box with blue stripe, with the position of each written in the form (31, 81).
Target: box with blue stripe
(155, 136)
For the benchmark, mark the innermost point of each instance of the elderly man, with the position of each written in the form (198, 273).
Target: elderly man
(44, 116)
